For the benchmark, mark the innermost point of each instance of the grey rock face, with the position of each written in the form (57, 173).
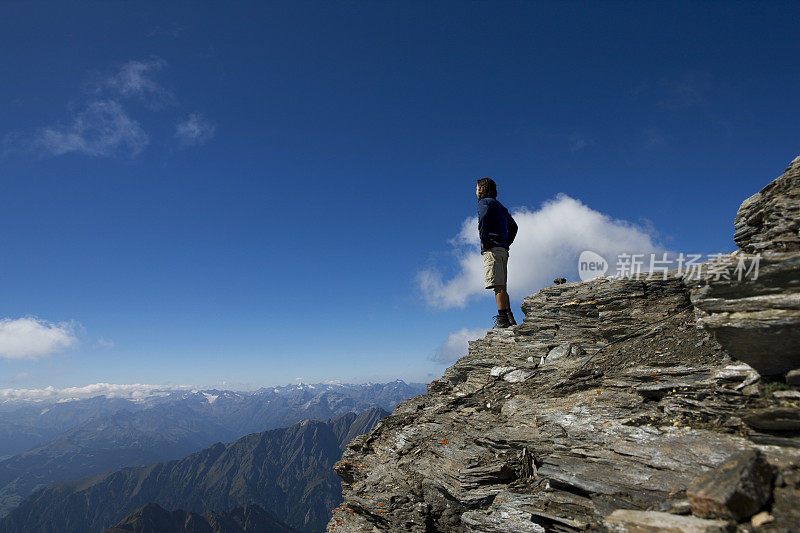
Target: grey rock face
(758, 320)
(635, 402)
(770, 219)
(569, 444)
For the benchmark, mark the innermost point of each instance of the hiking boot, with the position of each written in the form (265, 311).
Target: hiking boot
(501, 321)
(510, 317)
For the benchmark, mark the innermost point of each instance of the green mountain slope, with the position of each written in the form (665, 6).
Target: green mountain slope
(152, 518)
(287, 471)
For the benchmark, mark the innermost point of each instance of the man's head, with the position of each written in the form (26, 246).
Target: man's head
(486, 188)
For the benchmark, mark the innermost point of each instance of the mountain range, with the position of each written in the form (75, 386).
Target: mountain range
(96, 435)
(152, 518)
(287, 471)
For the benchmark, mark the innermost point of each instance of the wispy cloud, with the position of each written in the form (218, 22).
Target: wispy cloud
(172, 30)
(456, 345)
(548, 245)
(32, 338)
(578, 142)
(194, 130)
(137, 79)
(105, 343)
(135, 391)
(103, 128)
(653, 137)
(690, 90)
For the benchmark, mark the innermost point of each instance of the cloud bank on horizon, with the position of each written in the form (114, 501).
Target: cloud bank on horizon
(133, 391)
(548, 244)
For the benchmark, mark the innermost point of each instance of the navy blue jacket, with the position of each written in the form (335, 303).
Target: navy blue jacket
(495, 225)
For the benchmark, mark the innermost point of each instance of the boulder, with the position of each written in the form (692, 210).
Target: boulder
(735, 490)
(558, 352)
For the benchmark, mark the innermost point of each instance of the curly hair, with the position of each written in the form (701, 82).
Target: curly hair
(488, 188)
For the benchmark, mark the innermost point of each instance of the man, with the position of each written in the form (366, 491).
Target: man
(497, 230)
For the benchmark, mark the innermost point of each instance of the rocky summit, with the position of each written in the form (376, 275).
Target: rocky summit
(663, 403)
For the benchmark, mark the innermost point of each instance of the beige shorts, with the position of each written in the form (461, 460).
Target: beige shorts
(495, 266)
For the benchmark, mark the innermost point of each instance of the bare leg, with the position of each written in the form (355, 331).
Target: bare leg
(501, 296)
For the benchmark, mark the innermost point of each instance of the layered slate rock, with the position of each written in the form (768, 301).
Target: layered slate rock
(598, 412)
(757, 318)
(625, 521)
(770, 219)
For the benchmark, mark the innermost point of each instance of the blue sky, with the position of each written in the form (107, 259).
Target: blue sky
(238, 195)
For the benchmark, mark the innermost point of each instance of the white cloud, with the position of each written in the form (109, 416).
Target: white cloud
(136, 79)
(548, 244)
(105, 343)
(31, 338)
(195, 130)
(103, 128)
(134, 391)
(457, 344)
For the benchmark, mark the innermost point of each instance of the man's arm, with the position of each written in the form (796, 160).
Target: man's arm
(483, 231)
(512, 229)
